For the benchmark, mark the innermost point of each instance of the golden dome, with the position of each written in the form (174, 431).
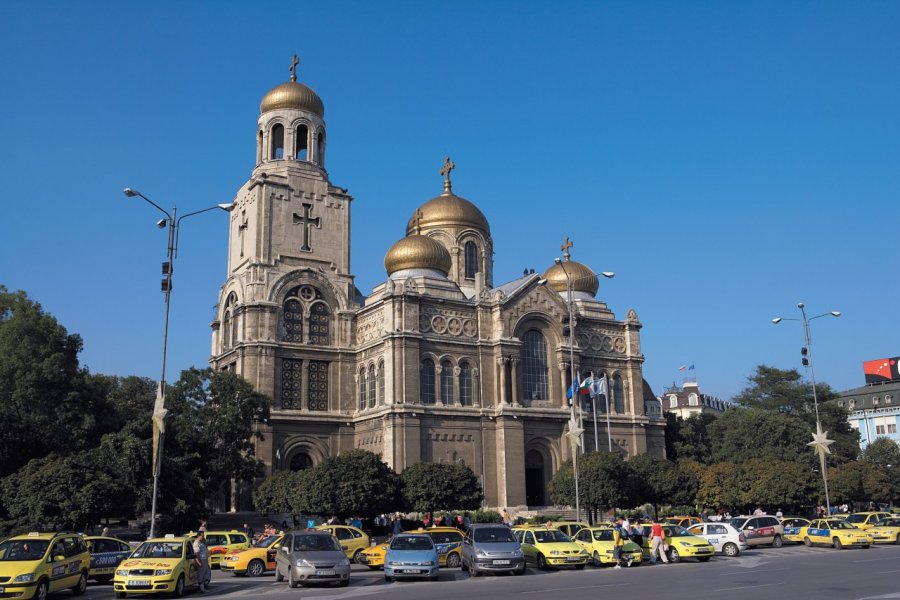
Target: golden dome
(448, 209)
(417, 252)
(292, 95)
(583, 279)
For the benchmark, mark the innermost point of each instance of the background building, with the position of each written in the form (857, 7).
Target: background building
(436, 363)
(874, 409)
(687, 401)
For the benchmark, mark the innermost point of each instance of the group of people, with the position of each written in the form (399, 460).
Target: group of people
(625, 530)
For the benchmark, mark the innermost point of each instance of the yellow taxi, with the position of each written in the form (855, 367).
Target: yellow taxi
(221, 543)
(373, 556)
(254, 561)
(683, 521)
(570, 528)
(598, 543)
(865, 520)
(352, 540)
(36, 564)
(547, 547)
(447, 542)
(682, 544)
(106, 554)
(886, 531)
(834, 532)
(159, 565)
(792, 527)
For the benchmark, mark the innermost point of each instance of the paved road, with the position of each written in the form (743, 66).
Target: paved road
(766, 573)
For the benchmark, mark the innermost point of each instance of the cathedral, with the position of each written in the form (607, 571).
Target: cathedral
(437, 363)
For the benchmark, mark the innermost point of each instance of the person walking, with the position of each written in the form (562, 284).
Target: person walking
(397, 526)
(637, 533)
(507, 519)
(201, 555)
(658, 546)
(619, 537)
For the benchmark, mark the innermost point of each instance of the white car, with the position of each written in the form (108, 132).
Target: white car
(724, 537)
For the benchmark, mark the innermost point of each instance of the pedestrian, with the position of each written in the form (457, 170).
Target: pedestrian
(626, 528)
(507, 519)
(758, 512)
(619, 538)
(637, 533)
(201, 556)
(397, 525)
(427, 520)
(779, 514)
(658, 545)
(202, 526)
(460, 524)
(105, 531)
(248, 531)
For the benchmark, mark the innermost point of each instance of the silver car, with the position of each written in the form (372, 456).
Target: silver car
(311, 557)
(491, 547)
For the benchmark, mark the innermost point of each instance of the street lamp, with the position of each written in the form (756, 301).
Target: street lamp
(575, 430)
(159, 408)
(820, 439)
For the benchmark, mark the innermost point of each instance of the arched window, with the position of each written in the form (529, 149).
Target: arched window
(446, 382)
(381, 384)
(235, 338)
(277, 142)
(300, 462)
(471, 251)
(619, 394)
(226, 330)
(465, 384)
(319, 318)
(534, 362)
(259, 148)
(292, 321)
(301, 142)
(427, 381)
(673, 401)
(373, 386)
(362, 389)
(693, 400)
(320, 149)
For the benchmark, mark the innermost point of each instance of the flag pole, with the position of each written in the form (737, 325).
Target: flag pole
(608, 431)
(594, 412)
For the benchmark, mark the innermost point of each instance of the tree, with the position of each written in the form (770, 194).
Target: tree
(430, 486)
(357, 482)
(858, 481)
(688, 439)
(884, 453)
(284, 492)
(604, 480)
(778, 484)
(742, 434)
(720, 485)
(657, 480)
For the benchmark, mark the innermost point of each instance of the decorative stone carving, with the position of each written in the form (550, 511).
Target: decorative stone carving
(370, 328)
(411, 287)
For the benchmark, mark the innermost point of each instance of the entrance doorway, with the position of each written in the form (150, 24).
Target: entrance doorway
(535, 482)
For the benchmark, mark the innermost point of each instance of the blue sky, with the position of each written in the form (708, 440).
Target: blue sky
(725, 159)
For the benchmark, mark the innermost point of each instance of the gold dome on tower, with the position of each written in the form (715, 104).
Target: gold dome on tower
(417, 252)
(292, 95)
(581, 276)
(448, 210)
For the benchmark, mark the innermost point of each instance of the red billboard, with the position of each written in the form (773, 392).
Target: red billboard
(881, 370)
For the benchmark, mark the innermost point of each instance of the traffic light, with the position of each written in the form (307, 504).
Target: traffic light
(804, 352)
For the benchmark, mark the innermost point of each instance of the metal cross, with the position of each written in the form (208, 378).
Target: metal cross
(567, 245)
(306, 221)
(294, 64)
(449, 165)
(417, 221)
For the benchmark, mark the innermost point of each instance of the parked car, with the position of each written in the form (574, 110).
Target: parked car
(723, 536)
(311, 557)
(411, 556)
(491, 547)
(760, 530)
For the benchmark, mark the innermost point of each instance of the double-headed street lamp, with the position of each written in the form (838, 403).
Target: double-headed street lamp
(820, 439)
(575, 430)
(159, 408)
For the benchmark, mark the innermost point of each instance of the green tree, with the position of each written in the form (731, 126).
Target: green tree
(284, 492)
(858, 481)
(720, 485)
(604, 481)
(431, 486)
(742, 434)
(778, 484)
(357, 482)
(884, 453)
(657, 481)
(689, 437)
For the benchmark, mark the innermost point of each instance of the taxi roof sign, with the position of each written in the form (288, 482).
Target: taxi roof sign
(169, 536)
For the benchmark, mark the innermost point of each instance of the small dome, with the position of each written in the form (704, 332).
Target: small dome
(292, 95)
(583, 279)
(417, 252)
(448, 210)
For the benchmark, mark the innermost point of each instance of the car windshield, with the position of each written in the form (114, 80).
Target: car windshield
(676, 531)
(894, 522)
(12, 550)
(737, 522)
(840, 525)
(410, 542)
(266, 542)
(159, 550)
(315, 543)
(603, 535)
(444, 537)
(856, 518)
(551, 535)
(489, 535)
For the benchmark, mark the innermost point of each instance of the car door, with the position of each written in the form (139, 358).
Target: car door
(583, 541)
(528, 548)
(270, 553)
(818, 532)
(345, 538)
(716, 535)
(191, 571)
(283, 556)
(60, 579)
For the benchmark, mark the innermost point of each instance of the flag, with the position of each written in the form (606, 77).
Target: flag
(682, 368)
(575, 385)
(585, 388)
(599, 386)
(691, 368)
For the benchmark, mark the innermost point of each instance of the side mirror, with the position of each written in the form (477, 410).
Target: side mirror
(285, 549)
(58, 558)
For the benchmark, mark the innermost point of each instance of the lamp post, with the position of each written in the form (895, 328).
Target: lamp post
(575, 430)
(173, 222)
(820, 439)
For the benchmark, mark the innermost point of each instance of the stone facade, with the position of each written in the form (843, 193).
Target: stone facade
(434, 364)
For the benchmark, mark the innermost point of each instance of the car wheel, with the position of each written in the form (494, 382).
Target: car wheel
(256, 568)
(357, 556)
(473, 572)
(41, 591)
(807, 542)
(523, 569)
(278, 576)
(897, 541)
(291, 581)
(579, 567)
(865, 546)
(674, 557)
(777, 542)
(434, 578)
(453, 560)
(178, 592)
(387, 579)
(596, 559)
(80, 587)
(463, 567)
(730, 549)
(541, 562)
(345, 582)
(836, 543)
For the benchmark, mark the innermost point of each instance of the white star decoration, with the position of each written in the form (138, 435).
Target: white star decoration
(821, 442)
(575, 432)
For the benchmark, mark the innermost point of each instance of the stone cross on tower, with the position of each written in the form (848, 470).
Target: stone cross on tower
(567, 245)
(294, 64)
(241, 228)
(306, 221)
(449, 165)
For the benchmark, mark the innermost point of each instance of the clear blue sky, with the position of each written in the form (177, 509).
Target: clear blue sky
(725, 159)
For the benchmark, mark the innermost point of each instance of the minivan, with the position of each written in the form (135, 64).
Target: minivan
(491, 547)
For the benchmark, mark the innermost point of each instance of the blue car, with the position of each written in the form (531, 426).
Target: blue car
(411, 556)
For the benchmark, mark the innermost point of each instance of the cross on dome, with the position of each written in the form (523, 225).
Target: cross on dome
(294, 64)
(567, 245)
(449, 165)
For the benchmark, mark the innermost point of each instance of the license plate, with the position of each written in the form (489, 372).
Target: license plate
(323, 573)
(413, 571)
(573, 559)
(501, 562)
(703, 550)
(138, 582)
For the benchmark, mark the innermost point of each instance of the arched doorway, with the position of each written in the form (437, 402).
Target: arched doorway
(535, 479)
(300, 461)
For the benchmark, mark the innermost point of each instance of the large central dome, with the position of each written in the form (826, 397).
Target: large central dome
(448, 210)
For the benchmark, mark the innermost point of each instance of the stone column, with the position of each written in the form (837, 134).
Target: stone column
(514, 374)
(304, 385)
(476, 387)
(563, 368)
(438, 369)
(501, 366)
(456, 372)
